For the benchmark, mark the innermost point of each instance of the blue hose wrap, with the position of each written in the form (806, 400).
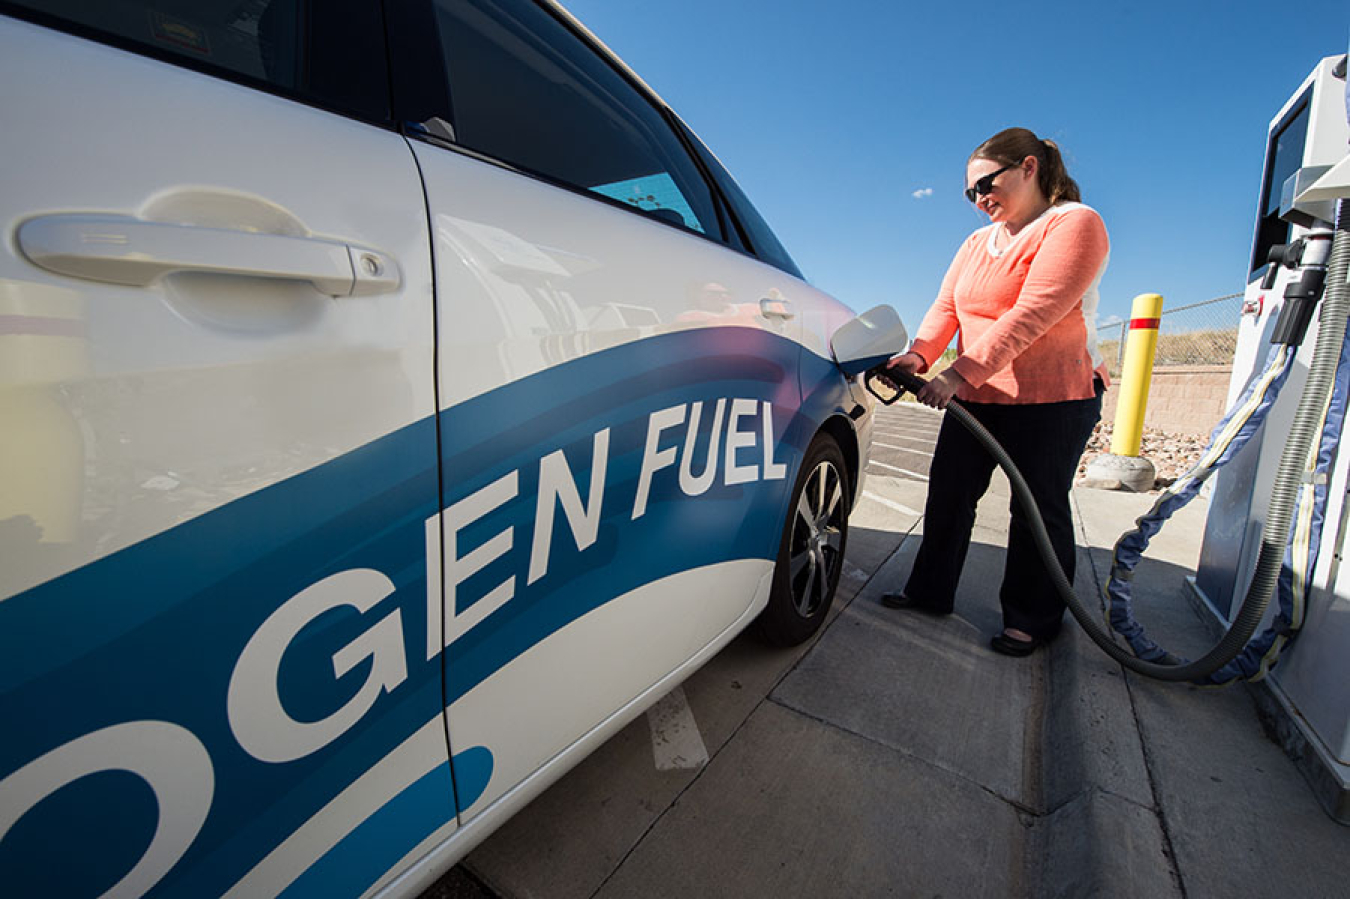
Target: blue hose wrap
(1228, 438)
(1305, 542)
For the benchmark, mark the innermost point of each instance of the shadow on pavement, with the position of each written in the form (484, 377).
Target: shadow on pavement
(896, 754)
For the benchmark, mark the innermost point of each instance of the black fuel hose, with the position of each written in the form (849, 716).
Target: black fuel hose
(1274, 534)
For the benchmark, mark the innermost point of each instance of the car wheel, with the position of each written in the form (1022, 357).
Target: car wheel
(811, 551)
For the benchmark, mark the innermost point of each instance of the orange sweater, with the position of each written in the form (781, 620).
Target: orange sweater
(1026, 313)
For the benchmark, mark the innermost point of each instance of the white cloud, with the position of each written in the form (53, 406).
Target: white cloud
(922, 192)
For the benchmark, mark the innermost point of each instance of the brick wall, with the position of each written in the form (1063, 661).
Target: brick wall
(1182, 399)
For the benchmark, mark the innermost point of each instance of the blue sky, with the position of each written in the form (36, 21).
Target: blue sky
(833, 115)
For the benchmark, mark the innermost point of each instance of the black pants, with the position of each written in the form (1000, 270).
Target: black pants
(1045, 442)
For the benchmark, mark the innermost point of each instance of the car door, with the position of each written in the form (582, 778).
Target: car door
(618, 385)
(218, 467)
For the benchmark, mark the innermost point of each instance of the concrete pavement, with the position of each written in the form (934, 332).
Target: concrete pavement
(897, 755)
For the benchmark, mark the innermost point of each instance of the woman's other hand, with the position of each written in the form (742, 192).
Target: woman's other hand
(939, 391)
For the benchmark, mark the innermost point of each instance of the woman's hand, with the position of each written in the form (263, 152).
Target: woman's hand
(939, 391)
(909, 363)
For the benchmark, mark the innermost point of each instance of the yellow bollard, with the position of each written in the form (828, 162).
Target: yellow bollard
(1140, 347)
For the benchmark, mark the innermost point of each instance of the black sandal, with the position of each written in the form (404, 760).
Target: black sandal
(1011, 646)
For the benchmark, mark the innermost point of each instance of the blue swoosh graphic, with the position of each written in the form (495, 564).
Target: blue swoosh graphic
(154, 631)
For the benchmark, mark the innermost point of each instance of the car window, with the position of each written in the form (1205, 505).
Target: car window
(331, 53)
(572, 117)
(761, 237)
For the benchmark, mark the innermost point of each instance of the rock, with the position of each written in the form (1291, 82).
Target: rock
(1100, 483)
(1171, 455)
(1133, 473)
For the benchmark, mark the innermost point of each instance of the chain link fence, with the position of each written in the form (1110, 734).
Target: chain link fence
(1198, 334)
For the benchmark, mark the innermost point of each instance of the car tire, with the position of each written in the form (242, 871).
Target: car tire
(811, 550)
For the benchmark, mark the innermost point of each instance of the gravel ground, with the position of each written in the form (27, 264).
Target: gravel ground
(1171, 454)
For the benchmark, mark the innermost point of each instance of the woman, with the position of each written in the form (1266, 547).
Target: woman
(1022, 293)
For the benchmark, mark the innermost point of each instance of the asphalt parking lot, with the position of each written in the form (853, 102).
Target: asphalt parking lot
(902, 444)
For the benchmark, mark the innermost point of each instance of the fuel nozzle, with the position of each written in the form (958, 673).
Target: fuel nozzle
(1281, 254)
(1309, 256)
(889, 384)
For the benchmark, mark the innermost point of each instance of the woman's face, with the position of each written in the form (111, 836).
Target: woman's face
(1012, 192)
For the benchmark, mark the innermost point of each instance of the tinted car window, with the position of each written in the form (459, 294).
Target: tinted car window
(763, 242)
(525, 90)
(331, 52)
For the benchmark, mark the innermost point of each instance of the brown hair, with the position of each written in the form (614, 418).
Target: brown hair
(1012, 145)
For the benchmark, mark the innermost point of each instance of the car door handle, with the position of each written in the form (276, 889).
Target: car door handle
(123, 250)
(772, 308)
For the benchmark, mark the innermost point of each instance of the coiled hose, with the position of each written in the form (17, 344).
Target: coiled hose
(1274, 535)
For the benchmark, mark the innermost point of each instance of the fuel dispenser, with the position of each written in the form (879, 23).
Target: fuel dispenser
(1307, 171)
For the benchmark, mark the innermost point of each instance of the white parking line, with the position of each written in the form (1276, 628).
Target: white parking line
(891, 504)
(901, 448)
(904, 471)
(911, 427)
(676, 742)
(853, 572)
(914, 407)
(919, 427)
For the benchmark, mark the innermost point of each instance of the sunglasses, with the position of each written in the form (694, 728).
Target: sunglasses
(984, 185)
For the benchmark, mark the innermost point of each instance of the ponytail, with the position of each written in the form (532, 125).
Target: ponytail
(1054, 178)
(1012, 145)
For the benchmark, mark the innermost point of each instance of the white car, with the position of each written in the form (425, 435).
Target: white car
(395, 400)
